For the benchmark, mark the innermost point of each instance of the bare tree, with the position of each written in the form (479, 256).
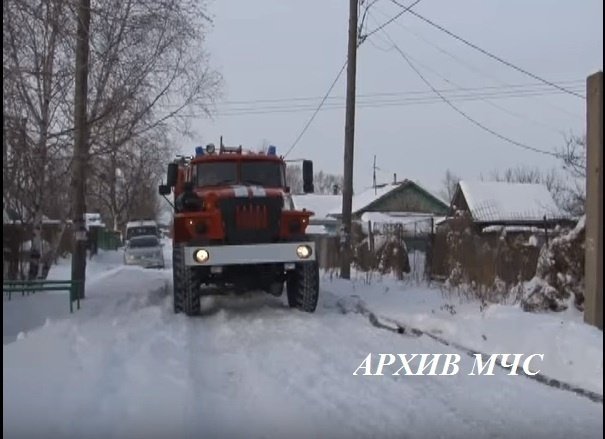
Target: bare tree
(149, 66)
(149, 72)
(449, 182)
(324, 183)
(37, 78)
(573, 154)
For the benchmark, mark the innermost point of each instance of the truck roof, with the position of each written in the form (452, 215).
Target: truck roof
(235, 158)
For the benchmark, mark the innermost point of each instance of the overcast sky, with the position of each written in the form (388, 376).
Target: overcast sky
(291, 51)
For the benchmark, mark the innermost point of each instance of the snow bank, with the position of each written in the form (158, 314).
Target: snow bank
(251, 367)
(573, 350)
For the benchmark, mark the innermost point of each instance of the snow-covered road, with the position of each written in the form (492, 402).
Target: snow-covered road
(125, 366)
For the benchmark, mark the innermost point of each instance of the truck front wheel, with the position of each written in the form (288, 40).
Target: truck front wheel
(303, 286)
(186, 298)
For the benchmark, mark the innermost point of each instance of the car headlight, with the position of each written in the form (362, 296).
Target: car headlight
(303, 251)
(201, 255)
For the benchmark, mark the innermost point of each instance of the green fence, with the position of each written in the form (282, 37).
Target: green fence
(108, 239)
(33, 286)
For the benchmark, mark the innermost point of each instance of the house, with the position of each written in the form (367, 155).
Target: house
(404, 198)
(517, 206)
(498, 229)
(404, 204)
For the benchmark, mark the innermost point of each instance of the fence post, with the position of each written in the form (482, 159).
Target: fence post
(398, 259)
(371, 237)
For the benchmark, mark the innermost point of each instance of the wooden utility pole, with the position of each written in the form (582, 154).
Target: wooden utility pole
(78, 178)
(374, 175)
(347, 193)
(593, 306)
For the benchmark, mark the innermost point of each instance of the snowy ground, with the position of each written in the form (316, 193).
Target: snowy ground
(126, 366)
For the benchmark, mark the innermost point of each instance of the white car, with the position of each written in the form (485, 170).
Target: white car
(144, 250)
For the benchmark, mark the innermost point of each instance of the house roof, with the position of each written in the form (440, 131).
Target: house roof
(502, 201)
(366, 199)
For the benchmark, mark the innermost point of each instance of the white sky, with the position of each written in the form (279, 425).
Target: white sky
(284, 49)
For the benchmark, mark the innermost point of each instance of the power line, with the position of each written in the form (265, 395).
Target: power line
(306, 127)
(520, 86)
(375, 103)
(380, 103)
(484, 99)
(479, 71)
(487, 53)
(462, 113)
(359, 43)
(386, 23)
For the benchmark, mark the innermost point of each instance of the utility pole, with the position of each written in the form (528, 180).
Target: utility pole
(374, 174)
(347, 193)
(78, 177)
(593, 305)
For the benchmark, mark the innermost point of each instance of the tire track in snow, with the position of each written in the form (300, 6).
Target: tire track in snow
(319, 375)
(359, 306)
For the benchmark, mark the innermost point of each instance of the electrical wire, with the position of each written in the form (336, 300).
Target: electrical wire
(359, 43)
(308, 124)
(462, 113)
(484, 99)
(487, 53)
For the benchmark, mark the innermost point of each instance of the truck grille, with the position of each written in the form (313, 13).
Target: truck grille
(251, 220)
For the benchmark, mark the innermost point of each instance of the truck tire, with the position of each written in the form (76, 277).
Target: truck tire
(303, 286)
(185, 297)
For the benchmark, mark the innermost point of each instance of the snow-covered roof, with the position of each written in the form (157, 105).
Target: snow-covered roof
(370, 195)
(502, 201)
(321, 205)
(366, 197)
(314, 229)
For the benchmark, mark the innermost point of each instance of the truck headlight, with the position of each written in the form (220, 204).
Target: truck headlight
(303, 251)
(201, 255)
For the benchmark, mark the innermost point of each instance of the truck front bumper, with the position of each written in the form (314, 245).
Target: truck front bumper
(283, 252)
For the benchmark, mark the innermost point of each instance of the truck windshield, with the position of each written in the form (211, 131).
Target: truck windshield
(216, 173)
(268, 174)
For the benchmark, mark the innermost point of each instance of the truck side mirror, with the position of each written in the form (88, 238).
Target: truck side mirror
(173, 170)
(307, 171)
(164, 189)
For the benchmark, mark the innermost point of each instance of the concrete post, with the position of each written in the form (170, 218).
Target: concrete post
(593, 311)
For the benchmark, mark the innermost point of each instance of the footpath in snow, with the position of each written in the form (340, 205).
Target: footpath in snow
(125, 366)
